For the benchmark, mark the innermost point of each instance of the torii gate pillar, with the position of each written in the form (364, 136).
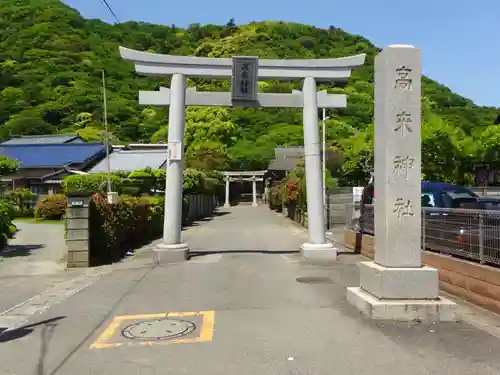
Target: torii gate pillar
(317, 247)
(172, 249)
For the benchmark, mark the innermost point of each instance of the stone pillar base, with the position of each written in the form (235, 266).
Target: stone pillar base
(401, 294)
(318, 252)
(164, 253)
(403, 310)
(227, 205)
(399, 283)
(255, 204)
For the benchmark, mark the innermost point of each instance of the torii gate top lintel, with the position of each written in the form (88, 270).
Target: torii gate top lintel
(325, 69)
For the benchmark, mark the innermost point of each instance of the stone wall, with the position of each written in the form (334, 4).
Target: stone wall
(473, 282)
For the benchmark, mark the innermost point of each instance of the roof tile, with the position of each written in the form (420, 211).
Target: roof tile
(132, 160)
(51, 155)
(43, 139)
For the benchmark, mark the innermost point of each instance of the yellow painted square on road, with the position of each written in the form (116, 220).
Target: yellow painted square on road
(157, 329)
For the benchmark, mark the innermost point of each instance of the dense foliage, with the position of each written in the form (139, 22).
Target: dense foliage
(142, 181)
(134, 221)
(7, 209)
(50, 69)
(7, 228)
(117, 228)
(22, 201)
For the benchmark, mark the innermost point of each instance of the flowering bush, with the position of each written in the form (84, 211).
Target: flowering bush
(292, 189)
(51, 207)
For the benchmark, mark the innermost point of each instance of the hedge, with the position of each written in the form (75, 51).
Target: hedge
(117, 228)
(137, 183)
(132, 222)
(141, 182)
(136, 219)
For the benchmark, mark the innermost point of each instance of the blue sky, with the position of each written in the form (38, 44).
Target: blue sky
(459, 39)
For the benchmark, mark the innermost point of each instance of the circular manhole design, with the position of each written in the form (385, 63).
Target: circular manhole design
(158, 329)
(314, 280)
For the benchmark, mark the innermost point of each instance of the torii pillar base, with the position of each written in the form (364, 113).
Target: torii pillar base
(318, 252)
(176, 253)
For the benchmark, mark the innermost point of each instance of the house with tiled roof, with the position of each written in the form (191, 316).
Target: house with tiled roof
(131, 159)
(285, 160)
(43, 165)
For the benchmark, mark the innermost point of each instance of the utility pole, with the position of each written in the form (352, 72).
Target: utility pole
(324, 162)
(106, 135)
(112, 197)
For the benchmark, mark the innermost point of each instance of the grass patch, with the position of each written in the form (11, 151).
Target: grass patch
(37, 220)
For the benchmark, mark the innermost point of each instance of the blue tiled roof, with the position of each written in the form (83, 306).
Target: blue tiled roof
(42, 139)
(51, 155)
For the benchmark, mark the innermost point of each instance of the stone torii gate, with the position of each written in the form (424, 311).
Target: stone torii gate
(244, 72)
(238, 176)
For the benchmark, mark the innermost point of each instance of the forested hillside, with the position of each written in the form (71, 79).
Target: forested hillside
(50, 81)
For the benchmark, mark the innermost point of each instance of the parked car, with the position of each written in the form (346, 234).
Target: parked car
(489, 203)
(455, 220)
(434, 194)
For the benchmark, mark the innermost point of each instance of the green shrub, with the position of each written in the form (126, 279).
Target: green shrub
(91, 183)
(21, 200)
(51, 207)
(7, 228)
(117, 228)
(140, 182)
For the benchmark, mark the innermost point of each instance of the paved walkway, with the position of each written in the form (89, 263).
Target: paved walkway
(31, 263)
(245, 228)
(237, 313)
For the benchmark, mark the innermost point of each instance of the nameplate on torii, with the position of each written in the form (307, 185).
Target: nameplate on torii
(295, 99)
(238, 179)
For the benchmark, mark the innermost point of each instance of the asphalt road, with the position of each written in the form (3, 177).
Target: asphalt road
(264, 311)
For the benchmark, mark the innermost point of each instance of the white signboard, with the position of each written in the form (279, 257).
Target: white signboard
(174, 150)
(244, 80)
(357, 191)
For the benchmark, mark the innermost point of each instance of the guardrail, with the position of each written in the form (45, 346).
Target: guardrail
(469, 234)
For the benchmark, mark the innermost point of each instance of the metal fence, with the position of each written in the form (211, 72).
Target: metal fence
(469, 234)
(340, 206)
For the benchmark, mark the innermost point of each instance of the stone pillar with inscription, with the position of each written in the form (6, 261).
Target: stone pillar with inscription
(395, 285)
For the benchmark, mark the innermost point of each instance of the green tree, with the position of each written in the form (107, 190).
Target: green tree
(8, 166)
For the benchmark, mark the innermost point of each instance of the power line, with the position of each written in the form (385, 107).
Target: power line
(105, 2)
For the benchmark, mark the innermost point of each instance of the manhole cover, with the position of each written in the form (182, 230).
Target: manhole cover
(158, 329)
(314, 280)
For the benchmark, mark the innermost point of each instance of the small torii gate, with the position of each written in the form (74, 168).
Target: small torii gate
(237, 176)
(244, 72)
